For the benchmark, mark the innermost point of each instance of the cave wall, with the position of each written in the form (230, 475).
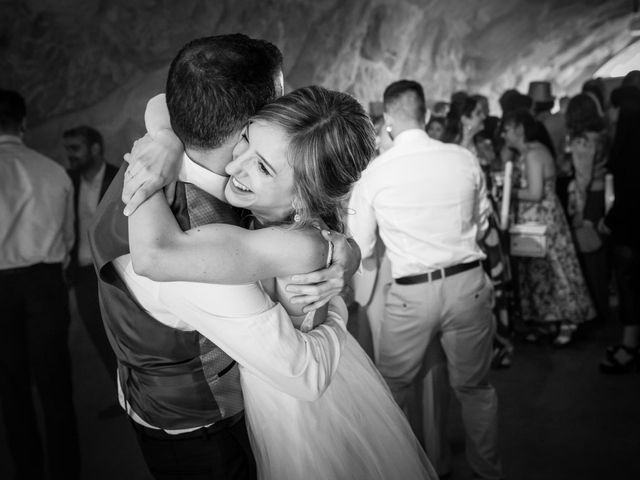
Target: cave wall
(98, 61)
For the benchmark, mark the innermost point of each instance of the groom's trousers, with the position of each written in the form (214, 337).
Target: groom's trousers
(219, 452)
(34, 326)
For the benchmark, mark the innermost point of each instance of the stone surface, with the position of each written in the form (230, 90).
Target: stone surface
(98, 61)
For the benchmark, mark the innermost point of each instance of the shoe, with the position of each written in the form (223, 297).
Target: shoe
(620, 359)
(541, 331)
(565, 334)
(502, 355)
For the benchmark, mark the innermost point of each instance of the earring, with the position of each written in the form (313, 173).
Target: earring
(389, 129)
(296, 213)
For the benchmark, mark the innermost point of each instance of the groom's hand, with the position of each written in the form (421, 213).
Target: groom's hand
(317, 288)
(153, 164)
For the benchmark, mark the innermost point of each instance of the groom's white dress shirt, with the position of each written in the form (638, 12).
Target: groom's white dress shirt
(243, 320)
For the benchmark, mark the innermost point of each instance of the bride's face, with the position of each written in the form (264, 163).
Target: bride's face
(261, 179)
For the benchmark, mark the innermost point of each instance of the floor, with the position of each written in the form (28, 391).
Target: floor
(560, 419)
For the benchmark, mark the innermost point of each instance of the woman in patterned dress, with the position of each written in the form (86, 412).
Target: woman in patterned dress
(553, 293)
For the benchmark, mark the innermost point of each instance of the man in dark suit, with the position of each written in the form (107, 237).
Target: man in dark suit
(91, 177)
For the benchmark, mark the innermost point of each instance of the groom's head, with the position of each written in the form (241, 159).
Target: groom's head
(216, 83)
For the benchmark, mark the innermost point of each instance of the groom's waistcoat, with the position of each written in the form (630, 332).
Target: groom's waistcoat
(172, 379)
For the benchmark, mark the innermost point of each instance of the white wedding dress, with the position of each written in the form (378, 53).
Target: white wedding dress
(355, 430)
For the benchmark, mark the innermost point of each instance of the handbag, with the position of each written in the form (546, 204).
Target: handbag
(587, 237)
(528, 240)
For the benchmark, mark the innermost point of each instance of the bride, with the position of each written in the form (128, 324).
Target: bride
(294, 164)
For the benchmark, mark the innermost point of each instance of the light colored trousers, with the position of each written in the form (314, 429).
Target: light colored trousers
(454, 312)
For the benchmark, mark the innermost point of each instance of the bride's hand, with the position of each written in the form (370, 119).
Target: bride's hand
(316, 288)
(153, 164)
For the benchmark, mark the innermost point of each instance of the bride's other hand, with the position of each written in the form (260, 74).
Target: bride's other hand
(153, 164)
(315, 289)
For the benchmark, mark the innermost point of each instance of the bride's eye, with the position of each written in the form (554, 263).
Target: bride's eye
(263, 169)
(244, 137)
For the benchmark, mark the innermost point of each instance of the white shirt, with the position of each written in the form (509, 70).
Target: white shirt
(428, 201)
(36, 207)
(243, 321)
(88, 199)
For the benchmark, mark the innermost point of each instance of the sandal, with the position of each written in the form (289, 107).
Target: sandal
(565, 335)
(541, 331)
(620, 359)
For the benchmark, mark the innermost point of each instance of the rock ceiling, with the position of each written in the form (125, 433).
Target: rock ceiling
(97, 61)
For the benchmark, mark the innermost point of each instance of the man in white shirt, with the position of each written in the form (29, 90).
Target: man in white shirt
(91, 176)
(427, 200)
(36, 235)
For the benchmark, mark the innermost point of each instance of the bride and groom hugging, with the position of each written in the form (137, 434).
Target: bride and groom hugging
(195, 296)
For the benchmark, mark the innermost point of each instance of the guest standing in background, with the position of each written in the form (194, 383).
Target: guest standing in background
(553, 294)
(91, 177)
(36, 214)
(466, 127)
(623, 224)
(589, 145)
(428, 201)
(495, 245)
(543, 102)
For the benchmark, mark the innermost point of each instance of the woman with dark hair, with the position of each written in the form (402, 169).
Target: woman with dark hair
(553, 295)
(292, 168)
(586, 204)
(622, 223)
(464, 120)
(465, 126)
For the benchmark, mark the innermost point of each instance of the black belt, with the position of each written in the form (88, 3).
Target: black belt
(437, 274)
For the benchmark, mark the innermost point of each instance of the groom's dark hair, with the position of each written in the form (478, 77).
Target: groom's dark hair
(216, 83)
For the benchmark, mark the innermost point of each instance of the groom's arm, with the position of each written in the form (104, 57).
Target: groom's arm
(265, 342)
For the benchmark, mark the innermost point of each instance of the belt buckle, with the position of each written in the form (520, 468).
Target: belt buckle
(436, 274)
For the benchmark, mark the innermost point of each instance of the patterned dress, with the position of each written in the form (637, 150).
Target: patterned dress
(552, 288)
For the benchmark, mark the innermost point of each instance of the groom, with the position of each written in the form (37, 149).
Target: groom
(176, 348)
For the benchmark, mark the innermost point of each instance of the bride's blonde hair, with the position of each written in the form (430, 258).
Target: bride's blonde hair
(331, 140)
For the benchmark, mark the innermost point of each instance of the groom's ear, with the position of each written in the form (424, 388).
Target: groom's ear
(279, 82)
(388, 121)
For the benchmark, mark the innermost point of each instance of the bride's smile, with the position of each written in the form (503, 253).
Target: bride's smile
(238, 185)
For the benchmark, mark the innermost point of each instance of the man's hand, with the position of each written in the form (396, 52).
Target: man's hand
(153, 164)
(317, 288)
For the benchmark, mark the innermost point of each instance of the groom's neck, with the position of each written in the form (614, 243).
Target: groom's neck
(214, 160)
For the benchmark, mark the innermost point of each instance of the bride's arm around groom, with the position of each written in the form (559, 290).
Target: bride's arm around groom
(251, 329)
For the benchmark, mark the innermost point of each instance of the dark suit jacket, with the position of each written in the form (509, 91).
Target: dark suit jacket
(109, 174)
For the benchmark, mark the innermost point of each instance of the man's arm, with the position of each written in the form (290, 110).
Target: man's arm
(483, 204)
(68, 232)
(362, 221)
(263, 341)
